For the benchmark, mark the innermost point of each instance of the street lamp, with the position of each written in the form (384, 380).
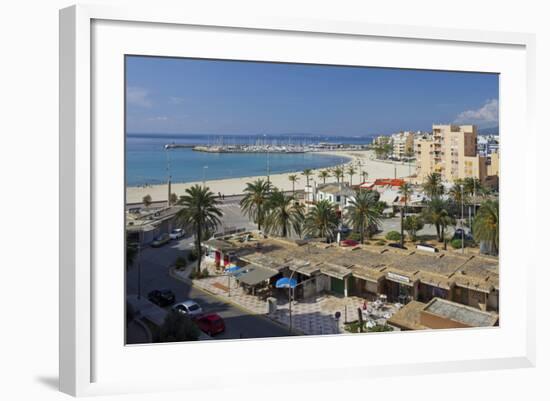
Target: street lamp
(462, 213)
(204, 175)
(291, 284)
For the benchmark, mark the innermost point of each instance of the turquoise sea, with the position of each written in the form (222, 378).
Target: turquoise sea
(147, 161)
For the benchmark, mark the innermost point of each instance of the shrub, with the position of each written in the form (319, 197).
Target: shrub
(380, 242)
(393, 236)
(193, 255)
(379, 328)
(355, 236)
(457, 243)
(181, 262)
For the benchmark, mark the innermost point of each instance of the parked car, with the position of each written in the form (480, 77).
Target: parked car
(161, 240)
(458, 234)
(177, 233)
(397, 245)
(211, 324)
(188, 307)
(162, 297)
(349, 242)
(426, 247)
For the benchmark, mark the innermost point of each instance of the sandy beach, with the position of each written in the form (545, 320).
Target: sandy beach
(362, 160)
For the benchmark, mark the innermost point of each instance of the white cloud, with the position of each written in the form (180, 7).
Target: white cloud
(176, 100)
(138, 97)
(158, 118)
(485, 115)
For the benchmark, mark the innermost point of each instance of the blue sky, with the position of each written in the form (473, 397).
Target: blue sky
(171, 95)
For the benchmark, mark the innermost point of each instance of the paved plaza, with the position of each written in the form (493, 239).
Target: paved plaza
(311, 316)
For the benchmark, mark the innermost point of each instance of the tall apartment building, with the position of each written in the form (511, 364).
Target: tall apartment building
(451, 150)
(403, 143)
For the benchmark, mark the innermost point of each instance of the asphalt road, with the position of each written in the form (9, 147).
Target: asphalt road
(154, 275)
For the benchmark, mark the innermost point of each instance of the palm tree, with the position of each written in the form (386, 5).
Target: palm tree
(351, 171)
(293, 178)
(284, 215)
(322, 220)
(173, 199)
(365, 175)
(457, 191)
(147, 200)
(338, 173)
(437, 214)
(324, 174)
(255, 199)
(201, 212)
(405, 190)
(485, 225)
(307, 173)
(363, 212)
(432, 185)
(471, 185)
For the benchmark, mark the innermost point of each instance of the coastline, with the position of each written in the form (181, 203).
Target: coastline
(235, 186)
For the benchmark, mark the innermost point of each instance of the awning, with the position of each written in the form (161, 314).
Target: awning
(256, 275)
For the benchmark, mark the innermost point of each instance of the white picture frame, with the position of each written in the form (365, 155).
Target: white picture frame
(87, 366)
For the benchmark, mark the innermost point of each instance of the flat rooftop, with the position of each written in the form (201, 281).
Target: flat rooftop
(460, 313)
(368, 262)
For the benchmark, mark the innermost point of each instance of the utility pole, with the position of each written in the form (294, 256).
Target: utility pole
(169, 176)
(462, 213)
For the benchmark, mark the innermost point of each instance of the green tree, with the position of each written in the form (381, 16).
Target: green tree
(324, 174)
(255, 199)
(433, 186)
(201, 212)
(284, 215)
(363, 213)
(307, 173)
(351, 172)
(322, 220)
(457, 191)
(178, 327)
(338, 173)
(293, 178)
(412, 225)
(173, 199)
(437, 213)
(147, 200)
(485, 226)
(405, 190)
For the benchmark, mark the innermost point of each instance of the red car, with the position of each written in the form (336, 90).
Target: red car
(349, 242)
(211, 324)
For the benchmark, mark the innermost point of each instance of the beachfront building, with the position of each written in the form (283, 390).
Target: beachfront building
(451, 150)
(382, 140)
(369, 271)
(143, 225)
(403, 145)
(487, 144)
(339, 194)
(494, 162)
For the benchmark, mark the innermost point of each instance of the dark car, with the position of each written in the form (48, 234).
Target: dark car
(211, 324)
(458, 234)
(397, 245)
(161, 240)
(162, 297)
(349, 242)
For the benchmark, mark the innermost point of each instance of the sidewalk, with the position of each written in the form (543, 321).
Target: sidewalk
(311, 316)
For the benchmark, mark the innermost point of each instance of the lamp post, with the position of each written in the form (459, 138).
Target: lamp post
(462, 213)
(204, 175)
